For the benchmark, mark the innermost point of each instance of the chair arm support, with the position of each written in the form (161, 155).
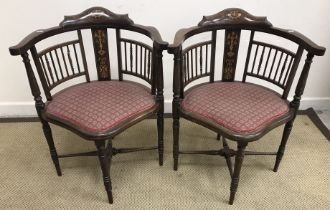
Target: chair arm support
(295, 103)
(177, 86)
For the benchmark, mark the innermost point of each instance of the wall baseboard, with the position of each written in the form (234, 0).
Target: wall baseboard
(27, 109)
(17, 109)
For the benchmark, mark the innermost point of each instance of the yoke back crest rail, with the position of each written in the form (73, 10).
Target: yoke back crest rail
(96, 110)
(233, 21)
(232, 106)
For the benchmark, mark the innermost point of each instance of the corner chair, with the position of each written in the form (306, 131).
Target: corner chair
(241, 108)
(96, 110)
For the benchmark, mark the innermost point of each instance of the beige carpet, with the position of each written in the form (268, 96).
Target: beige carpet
(28, 178)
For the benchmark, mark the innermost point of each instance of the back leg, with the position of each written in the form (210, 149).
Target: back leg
(160, 129)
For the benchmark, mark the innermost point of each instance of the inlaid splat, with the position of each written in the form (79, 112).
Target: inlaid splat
(100, 42)
(232, 38)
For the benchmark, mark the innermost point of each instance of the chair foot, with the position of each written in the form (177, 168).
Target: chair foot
(161, 160)
(238, 165)
(58, 170)
(277, 164)
(278, 161)
(110, 198)
(231, 199)
(175, 167)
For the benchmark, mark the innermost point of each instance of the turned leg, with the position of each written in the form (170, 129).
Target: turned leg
(218, 137)
(105, 161)
(238, 164)
(49, 137)
(176, 127)
(227, 156)
(160, 128)
(285, 137)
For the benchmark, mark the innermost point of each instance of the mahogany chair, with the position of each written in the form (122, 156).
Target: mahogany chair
(236, 109)
(96, 110)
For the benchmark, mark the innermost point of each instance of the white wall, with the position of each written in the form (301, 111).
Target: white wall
(19, 18)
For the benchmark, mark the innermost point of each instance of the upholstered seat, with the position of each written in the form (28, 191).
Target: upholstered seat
(239, 107)
(97, 107)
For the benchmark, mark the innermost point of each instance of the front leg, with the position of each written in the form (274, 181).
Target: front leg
(160, 127)
(237, 170)
(105, 161)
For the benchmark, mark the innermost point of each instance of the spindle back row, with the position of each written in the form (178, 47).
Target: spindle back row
(67, 60)
(264, 60)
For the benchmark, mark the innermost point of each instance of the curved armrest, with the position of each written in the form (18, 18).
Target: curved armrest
(154, 35)
(31, 39)
(180, 37)
(40, 34)
(308, 44)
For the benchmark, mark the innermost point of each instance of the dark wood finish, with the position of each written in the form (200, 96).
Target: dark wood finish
(176, 106)
(62, 62)
(119, 61)
(132, 55)
(83, 54)
(105, 161)
(234, 16)
(193, 65)
(100, 42)
(237, 170)
(100, 16)
(227, 155)
(159, 85)
(214, 42)
(47, 61)
(40, 107)
(264, 61)
(295, 103)
(232, 38)
(280, 74)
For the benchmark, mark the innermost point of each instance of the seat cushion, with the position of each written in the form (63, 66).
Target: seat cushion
(239, 107)
(97, 107)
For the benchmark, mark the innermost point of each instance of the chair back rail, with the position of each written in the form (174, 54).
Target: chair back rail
(65, 61)
(136, 59)
(60, 63)
(265, 61)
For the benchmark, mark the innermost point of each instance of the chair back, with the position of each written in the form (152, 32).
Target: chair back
(261, 58)
(66, 60)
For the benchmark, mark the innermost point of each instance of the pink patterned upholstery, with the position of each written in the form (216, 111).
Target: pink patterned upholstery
(240, 107)
(99, 106)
